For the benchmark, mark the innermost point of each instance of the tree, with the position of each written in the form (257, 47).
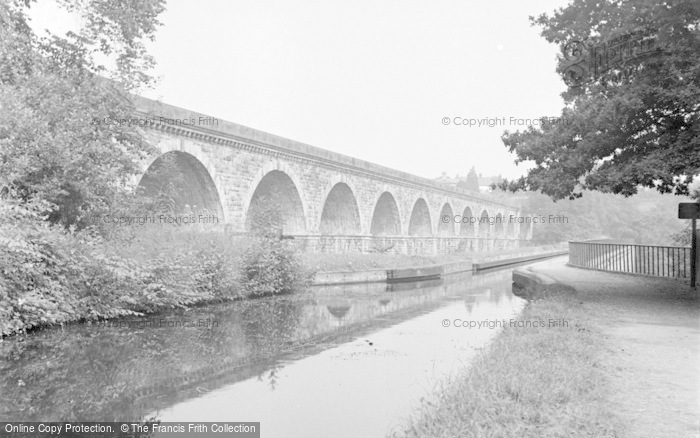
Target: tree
(472, 182)
(63, 135)
(648, 218)
(632, 107)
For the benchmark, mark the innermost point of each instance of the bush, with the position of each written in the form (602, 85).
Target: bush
(272, 266)
(52, 275)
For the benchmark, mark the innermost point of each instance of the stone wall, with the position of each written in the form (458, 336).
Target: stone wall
(242, 165)
(425, 246)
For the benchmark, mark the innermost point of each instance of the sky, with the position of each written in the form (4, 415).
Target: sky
(390, 82)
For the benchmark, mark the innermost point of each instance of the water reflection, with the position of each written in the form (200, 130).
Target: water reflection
(156, 365)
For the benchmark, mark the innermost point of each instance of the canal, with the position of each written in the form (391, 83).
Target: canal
(350, 361)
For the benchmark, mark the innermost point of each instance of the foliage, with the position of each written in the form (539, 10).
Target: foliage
(194, 262)
(60, 139)
(684, 237)
(51, 275)
(637, 125)
(694, 189)
(67, 159)
(271, 265)
(648, 218)
(266, 218)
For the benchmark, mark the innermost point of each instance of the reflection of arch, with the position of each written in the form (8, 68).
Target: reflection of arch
(498, 226)
(340, 212)
(524, 228)
(529, 229)
(470, 303)
(419, 224)
(193, 189)
(510, 229)
(276, 192)
(466, 227)
(484, 228)
(339, 311)
(446, 228)
(385, 218)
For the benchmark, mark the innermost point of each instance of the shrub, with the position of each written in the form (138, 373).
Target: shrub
(192, 262)
(272, 266)
(52, 275)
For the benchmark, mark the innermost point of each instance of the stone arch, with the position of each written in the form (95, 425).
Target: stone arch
(188, 147)
(340, 214)
(419, 224)
(385, 217)
(484, 226)
(266, 168)
(510, 229)
(524, 226)
(278, 188)
(529, 230)
(467, 227)
(498, 227)
(446, 227)
(194, 189)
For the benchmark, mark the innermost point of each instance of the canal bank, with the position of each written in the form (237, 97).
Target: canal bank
(417, 273)
(394, 271)
(360, 357)
(592, 354)
(651, 329)
(540, 376)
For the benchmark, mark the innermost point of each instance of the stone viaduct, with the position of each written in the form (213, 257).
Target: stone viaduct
(331, 202)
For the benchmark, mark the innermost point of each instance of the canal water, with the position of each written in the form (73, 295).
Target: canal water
(335, 361)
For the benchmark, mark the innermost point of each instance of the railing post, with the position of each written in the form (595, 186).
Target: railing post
(673, 264)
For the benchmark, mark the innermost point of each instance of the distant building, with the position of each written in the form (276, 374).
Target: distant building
(484, 181)
(447, 181)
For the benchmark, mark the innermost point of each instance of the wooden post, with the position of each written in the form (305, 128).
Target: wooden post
(691, 210)
(694, 262)
(695, 257)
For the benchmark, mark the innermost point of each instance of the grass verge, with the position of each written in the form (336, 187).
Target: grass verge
(530, 382)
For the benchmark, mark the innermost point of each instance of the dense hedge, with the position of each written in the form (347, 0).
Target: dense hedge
(50, 275)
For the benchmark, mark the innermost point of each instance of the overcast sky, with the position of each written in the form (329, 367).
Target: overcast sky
(369, 79)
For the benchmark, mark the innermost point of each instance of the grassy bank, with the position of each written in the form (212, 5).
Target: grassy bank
(52, 275)
(530, 382)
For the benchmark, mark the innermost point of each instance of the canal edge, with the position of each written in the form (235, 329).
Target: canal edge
(335, 278)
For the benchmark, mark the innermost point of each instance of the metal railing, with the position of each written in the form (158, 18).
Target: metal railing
(660, 261)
